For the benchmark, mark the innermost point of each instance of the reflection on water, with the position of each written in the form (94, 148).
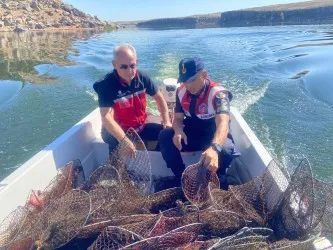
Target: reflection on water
(20, 52)
(8, 90)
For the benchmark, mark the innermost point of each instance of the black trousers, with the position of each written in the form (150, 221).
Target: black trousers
(149, 133)
(196, 142)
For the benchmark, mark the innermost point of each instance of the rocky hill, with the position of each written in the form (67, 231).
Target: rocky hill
(309, 12)
(197, 21)
(43, 14)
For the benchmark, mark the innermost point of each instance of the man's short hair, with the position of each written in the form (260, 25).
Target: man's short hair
(120, 47)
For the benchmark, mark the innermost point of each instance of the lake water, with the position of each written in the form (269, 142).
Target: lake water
(281, 78)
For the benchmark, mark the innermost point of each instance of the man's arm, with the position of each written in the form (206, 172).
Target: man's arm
(210, 157)
(116, 131)
(222, 128)
(178, 123)
(178, 126)
(110, 124)
(222, 107)
(163, 108)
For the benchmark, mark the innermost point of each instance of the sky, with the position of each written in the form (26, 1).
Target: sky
(131, 10)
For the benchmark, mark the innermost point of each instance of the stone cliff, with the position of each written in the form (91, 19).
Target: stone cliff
(198, 21)
(309, 12)
(43, 14)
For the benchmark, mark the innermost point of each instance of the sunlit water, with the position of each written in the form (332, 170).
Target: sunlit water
(281, 78)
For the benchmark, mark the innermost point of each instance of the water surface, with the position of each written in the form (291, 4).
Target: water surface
(281, 78)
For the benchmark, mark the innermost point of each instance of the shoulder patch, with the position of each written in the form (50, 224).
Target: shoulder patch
(222, 104)
(221, 94)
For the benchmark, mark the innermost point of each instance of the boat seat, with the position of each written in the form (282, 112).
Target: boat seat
(101, 150)
(236, 174)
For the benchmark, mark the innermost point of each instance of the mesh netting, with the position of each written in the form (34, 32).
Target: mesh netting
(121, 186)
(11, 225)
(92, 229)
(56, 224)
(69, 177)
(167, 241)
(303, 204)
(164, 200)
(286, 244)
(246, 238)
(198, 245)
(114, 238)
(114, 210)
(195, 180)
(255, 201)
(132, 161)
(327, 220)
(104, 190)
(62, 219)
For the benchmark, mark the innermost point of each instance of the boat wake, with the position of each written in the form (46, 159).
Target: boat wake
(92, 94)
(244, 100)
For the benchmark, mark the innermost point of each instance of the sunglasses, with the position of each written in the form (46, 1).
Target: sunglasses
(125, 66)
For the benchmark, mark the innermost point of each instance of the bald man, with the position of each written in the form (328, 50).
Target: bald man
(122, 100)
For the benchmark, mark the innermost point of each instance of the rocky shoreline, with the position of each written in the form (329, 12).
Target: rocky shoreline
(44, 15)
(302, 13)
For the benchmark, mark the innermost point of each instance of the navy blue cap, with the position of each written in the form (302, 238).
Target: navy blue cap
(188, 67)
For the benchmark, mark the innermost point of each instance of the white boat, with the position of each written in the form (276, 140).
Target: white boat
(83, 141)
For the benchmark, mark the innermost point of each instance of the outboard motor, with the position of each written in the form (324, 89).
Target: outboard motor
(169, 91)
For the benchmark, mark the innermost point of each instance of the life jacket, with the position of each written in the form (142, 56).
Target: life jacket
(203, 118)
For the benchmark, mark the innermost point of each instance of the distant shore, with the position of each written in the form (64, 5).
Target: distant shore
(301, 13)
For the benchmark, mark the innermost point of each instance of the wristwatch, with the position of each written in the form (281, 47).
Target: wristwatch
(217, 147)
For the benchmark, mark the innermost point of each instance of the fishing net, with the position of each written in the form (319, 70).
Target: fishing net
(257, 200)
(303, 204)
(327, 220)
(195, 180)
(195, 228)
(57, 223)
(114, 209)
(286, 244)
(62, 219)
(198, 245)
(68, 177)
(215, 223)
(164, 200)
(114, 238)
(11, 225)
(122, 185)
(167, 241)
(131, 159)
(94, 228)
(143, 228)
(165, 225)
(21, 244)
(104, 190)
(246, 238)
(181, 209)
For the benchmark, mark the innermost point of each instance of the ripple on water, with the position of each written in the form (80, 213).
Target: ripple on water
(9, 89)
(319, 85)
(300, 74)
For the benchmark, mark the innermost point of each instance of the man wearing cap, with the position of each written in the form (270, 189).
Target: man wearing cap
(201, 122)
(122, 101)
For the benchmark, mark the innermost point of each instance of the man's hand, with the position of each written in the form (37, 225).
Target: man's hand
(167, 124)
(210, 159)
(127, 148)
(177, 139)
